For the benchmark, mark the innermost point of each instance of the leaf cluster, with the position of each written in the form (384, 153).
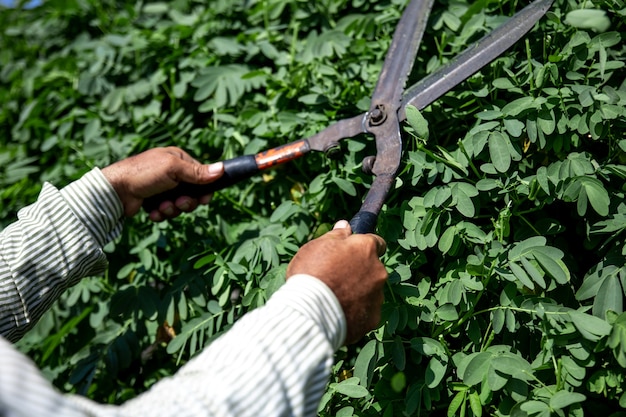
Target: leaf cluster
(505, 228)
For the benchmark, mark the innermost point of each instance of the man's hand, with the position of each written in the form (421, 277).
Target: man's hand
(350, 266)
(155, 171)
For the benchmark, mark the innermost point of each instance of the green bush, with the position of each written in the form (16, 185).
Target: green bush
(505, 230)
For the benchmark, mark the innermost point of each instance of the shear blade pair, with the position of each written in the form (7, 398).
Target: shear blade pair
(386, 112)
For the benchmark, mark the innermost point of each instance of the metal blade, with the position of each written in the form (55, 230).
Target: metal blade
(401, 54)
(474, 57)
(329, 138)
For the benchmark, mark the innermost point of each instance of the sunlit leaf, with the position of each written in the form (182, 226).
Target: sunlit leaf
(588, 19)
(499, 151)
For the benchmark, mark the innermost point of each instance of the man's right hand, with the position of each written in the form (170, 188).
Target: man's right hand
(155, 171)
(349, 265)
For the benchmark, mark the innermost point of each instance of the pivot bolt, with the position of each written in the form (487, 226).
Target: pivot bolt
(333, 152)
(368, 164)
(378, 115)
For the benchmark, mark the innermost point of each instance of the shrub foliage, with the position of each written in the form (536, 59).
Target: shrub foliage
(505, 230)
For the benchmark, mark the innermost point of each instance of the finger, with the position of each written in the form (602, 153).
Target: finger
(341, 224)
(170, 214)
(381, 245)
(186, 204)
(206, 199)
(337, 233)
(156, 216)
(196, 173)
(181, 154)
(167, 210)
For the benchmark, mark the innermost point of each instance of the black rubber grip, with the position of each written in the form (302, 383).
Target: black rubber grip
(235, 170)
(364, 222)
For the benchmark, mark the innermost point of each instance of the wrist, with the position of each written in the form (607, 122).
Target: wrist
(312, 297)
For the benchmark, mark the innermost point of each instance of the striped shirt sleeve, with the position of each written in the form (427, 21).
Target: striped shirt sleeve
(56, 241)
(275, 361)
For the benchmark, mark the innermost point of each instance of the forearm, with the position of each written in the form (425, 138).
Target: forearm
(275, 361)
(55, 242)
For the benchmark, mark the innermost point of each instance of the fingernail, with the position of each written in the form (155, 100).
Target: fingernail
(169, 211)
(216, 168)
(206, 199)
(341, 224)
(184, 205)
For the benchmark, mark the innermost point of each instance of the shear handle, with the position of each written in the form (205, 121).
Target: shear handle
(367, 217)
(235, 170)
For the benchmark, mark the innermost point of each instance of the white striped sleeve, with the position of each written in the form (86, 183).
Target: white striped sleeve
(275, 361)
(55, 242)
(96, 204)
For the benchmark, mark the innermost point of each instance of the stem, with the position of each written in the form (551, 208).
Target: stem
(530, 66)
(529, 224)
(442, 160)
(471, 163)
(292, 47)
(390, 291)
(238, 205)
(487, 342)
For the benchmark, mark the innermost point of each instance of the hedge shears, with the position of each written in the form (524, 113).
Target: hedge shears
(386, 111)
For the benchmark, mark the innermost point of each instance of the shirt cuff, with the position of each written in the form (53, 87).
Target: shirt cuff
(96, 204)
(311, 297)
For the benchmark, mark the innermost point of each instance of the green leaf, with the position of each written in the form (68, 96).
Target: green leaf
(610, 297)
(398, 382)
(350, 388)
(521, 275)
(590, 327)
(526, 246)
(435, 371)
(398, 354)
(513, 365)
(542, 178)
(345, 185)
(155, 8)
(499, 151)
(533, 272)
(554, 267)
(513, 127)
(477, 368)
(594, 19)
(456, 403)
(418, 122)
(497, 320)
(226, 84)
(427, 346)
(447, 312)
(496, 380)
(366, 362)
(464, 203)
(475, 404)
(597, 194)
(593, 281)
(345, 412)
(92, 130)
(447, 239)
(538, 408)
(546, 121)
(517, 106)
(562, 399)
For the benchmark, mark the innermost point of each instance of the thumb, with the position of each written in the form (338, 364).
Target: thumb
(196, 173)
(342, 224)
(341, 230)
